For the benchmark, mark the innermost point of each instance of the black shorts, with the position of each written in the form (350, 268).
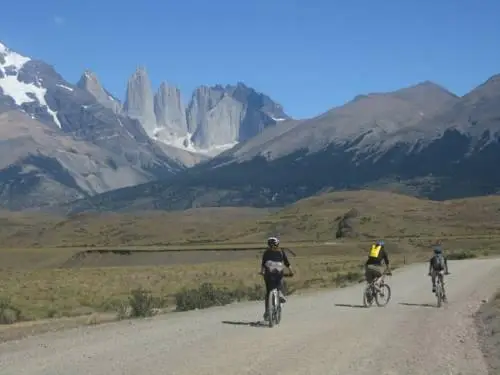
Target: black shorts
(372, 272)
(273, 280)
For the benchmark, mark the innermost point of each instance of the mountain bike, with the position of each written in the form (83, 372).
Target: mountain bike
(274, 306)
(374, 292)
(440, 292)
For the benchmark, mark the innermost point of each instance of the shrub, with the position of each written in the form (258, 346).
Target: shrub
(9, 314)
(347, 278)
(142, 303)
(462, 255)
(207, 295)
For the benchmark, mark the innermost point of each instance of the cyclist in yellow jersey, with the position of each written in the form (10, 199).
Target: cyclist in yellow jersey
(374, 262)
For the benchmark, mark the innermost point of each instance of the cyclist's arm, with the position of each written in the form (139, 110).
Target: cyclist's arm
(263, 262)
(286, 261)
(385, 258)
(446, 264)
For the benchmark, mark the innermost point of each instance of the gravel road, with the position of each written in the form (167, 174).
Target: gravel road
(321, 333)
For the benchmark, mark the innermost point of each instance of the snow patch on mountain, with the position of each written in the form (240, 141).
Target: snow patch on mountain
(65, 87)
(10, 64)
(185, 143)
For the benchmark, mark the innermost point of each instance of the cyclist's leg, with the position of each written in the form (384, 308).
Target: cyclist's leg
(368, 274)
(433, 280)
(441, 277)
(281, 288)
(268, 291)
(376, 274)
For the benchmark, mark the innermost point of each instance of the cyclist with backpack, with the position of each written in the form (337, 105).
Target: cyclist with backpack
(373, 265)
(437, 263)
(273, 262)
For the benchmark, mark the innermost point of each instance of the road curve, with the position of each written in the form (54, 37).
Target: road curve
(320, 334)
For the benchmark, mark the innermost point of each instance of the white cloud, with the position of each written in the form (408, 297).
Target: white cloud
(58, 20)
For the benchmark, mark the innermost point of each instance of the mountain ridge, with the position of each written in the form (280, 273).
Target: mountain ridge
(430, 156)
(232, 145)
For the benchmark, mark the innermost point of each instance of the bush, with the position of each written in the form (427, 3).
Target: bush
(207, 295)
(142, 303)
(9, 314)
(347, 278)
(462, 255)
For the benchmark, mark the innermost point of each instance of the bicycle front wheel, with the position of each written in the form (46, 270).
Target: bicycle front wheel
(439, 295)
(383, 296)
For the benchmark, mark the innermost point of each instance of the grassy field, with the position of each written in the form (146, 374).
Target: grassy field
(198, 226)
(68, 266)
(381, 214)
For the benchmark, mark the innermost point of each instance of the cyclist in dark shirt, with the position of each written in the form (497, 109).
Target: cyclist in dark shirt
(273, 262)
(438, 262)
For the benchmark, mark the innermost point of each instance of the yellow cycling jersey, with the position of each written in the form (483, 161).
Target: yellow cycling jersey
(375, 250)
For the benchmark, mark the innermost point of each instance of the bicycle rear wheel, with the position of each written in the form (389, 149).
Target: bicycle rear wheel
(383, 297)
(278, 311)
(271, 306)
(439, 291)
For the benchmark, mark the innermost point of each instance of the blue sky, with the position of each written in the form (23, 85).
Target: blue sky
(309, 55)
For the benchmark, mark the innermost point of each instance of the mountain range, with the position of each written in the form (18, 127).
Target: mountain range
(77, 147)
(62, 141)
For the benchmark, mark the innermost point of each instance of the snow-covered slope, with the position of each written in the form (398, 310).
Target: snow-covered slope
(13, 86)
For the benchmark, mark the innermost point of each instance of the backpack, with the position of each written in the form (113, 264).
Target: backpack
(375, 251)
(276, 266)
(438, 263)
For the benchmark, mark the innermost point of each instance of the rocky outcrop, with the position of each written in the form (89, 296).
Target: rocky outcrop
(224, 116)
(170, 114)
(139, 101)
(216, 118)
(90, 83)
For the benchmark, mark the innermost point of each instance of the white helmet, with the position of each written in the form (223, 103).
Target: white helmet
(273, 242)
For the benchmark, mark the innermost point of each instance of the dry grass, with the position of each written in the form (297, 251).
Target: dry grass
(201, 225)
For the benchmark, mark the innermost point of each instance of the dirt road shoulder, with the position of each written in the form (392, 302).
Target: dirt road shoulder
(488, 326)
